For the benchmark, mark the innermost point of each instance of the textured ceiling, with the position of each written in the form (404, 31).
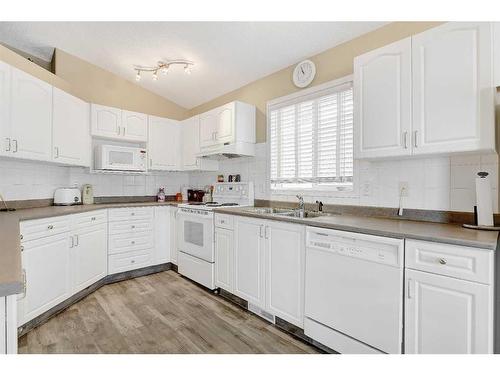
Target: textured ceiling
(227, 55)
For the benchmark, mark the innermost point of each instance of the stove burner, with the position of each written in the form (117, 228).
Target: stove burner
(196, 203)
(229, 204)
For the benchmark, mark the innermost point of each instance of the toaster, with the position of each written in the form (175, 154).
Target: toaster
(67, 196)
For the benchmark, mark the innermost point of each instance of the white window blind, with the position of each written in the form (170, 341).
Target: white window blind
(311, 140)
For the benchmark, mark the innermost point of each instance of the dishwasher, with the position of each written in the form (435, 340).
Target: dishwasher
(354, 291)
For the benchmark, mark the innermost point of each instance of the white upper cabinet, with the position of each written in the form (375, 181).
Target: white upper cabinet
(190, 130)
(5, 147)
(232, 122)
(429, 94)
(31, 117)
(382, 93)
(106, 121)
(453, 93)
(134, 126)
(496, 50)
(70, 130)
(164, 144)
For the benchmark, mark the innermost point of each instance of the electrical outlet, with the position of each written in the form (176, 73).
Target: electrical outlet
(403, 188)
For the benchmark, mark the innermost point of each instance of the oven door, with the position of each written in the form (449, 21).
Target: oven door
(195, 234)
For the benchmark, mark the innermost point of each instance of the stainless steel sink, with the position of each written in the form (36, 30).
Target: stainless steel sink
(288, 212)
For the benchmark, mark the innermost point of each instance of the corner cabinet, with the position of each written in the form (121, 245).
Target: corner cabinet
(164, 144)
(190, 131)
(382, 93)
(70, 130)
(432, 93)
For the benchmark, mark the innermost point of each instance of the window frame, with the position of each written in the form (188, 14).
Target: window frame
(297, 97)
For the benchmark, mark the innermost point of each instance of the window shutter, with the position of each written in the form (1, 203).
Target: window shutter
(311, 140)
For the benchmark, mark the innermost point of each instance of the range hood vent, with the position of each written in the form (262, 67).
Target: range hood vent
(229, 151)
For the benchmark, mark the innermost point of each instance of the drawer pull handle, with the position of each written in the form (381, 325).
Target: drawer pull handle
(132, 261)
(222, 222)
(132, 213)
(22, 236)
(132, 242)
(133, 226)
(442, 261)
(50, 227)
(22, 248)
(93, 219)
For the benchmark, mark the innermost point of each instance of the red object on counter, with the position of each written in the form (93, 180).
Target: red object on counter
(178, 197)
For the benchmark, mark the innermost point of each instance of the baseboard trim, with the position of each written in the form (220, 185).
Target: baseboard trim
(109, 279)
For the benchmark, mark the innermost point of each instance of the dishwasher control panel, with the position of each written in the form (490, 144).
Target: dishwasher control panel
(362, 246)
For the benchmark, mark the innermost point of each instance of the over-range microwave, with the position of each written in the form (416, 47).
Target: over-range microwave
(119, 158)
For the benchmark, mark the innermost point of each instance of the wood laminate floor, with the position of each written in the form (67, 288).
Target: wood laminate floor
(159, 313)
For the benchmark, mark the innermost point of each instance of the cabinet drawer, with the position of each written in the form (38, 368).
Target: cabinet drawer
(128, 261)
(90, 218)
(462, 262)
(39, 228)
(130, 226)
(121, 243)
(135, 213)
(224, 221)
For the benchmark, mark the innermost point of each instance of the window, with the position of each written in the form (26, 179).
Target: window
(311, 139)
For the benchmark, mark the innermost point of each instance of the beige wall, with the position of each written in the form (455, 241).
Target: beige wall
(330, 64)
(96, 85)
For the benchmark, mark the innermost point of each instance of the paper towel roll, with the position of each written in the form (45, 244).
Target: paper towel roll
(484, 199)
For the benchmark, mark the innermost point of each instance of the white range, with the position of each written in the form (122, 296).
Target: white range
(196, 230)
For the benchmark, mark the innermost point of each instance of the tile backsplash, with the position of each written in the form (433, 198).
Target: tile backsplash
(435, 183)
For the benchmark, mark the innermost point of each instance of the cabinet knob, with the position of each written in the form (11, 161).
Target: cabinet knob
(132, 261)
(132, 213)
(50, 227)
(133, 226)
(93, 219)
(442, 261)
(132, 242)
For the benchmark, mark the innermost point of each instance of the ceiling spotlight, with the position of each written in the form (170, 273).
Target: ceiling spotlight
(187, 69)
(164, 70)
(155, 75)
(138, 76)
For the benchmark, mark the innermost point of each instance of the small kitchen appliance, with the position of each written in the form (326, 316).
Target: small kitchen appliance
(195, 195)
(67, 196)
(87, 194)
(119, 158)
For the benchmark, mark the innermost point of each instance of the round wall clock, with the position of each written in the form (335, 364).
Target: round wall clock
(304, 73)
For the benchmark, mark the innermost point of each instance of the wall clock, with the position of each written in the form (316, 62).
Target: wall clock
(304, 73)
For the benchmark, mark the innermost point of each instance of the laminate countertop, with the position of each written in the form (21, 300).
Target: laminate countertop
(11, 279)
(387, 227)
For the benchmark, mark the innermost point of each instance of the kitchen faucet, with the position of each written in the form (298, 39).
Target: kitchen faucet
(301, 208)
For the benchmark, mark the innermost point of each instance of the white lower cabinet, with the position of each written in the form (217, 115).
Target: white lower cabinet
(269, 266)
(444, 314)
(162, 235)
(173, 240)
(8, 325)
(224, 259)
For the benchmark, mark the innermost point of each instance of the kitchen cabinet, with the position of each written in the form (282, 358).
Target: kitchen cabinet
(134, 126)
(496, 51)
(224, 259)
(164, 144)
(89, 256)
(8, 325)
(47, 285)
(249, 260)
(70, 130)
(448, 299)
(173, 239)
(453, 95)
(382, 93)
(285, 267)
(191, 147)
(5, 148)
(269, 264)
(30, 129)
(232, 122)
(106, 121)
(432, 93)
(162, 235)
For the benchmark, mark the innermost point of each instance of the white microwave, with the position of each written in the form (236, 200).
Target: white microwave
(119, 158)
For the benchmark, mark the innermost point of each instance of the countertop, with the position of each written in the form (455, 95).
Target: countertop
(11, 279)
(387, 227)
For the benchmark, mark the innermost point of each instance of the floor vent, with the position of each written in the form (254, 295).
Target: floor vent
(262, 313)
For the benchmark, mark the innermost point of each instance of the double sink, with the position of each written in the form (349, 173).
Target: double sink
(287, 212)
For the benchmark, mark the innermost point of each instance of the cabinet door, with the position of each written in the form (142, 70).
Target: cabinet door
(6, 141)
(162, 235)
(3, 325)
(164, 144)
(46, 263)
(224, 259)
(106, 121)
(208, 128)
(496, 50)
(285, 266)
(31, 117)
(173, 238)
(225, 123)
(444, 315)
(249, 253)
(89, 256)
(134, 126)
(190, 143)
(453, 91)
(70, 130)
(382, 101)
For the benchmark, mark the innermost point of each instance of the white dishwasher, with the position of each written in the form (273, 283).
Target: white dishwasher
(354, 291)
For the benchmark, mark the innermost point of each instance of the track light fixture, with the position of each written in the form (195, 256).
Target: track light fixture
(163, 67)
